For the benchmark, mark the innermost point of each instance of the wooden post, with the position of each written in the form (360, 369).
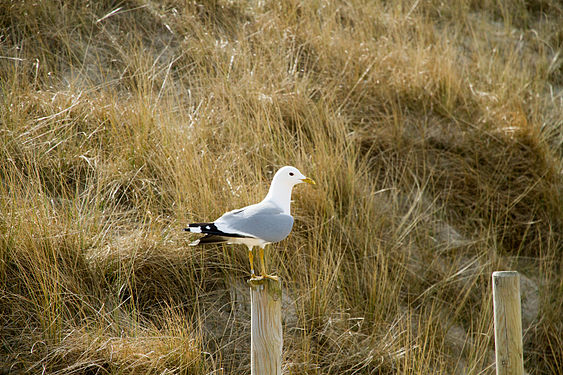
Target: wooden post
(266, 327)
(508, 323)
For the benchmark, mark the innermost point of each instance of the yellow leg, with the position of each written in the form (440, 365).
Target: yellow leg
(251, 259)
(262, 265)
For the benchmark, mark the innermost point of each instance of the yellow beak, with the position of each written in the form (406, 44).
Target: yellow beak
(308, 180)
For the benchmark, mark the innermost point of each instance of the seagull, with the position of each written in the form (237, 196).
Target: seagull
(259, 224)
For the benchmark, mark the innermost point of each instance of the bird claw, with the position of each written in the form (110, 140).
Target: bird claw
(262, 277)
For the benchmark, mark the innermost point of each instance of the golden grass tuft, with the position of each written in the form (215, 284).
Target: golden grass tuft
(433, 130)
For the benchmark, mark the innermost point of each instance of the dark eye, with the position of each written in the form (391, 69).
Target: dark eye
(291, 173)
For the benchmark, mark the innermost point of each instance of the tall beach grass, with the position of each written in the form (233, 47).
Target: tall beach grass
(434, 131)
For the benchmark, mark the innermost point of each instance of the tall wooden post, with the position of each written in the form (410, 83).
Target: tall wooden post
(266, 327)
(508, 323)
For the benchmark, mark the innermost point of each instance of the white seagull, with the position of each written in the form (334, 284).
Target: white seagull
(258, 224)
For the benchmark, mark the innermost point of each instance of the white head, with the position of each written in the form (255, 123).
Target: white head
(282, 184)
(290, 176)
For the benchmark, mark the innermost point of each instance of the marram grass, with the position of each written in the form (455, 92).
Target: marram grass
(433, 130)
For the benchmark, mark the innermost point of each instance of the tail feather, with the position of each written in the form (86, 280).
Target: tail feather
(209, 239)
(212, 234)
(199, 227)
(210, 229)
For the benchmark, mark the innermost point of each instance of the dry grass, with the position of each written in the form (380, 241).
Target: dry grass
(434, 131)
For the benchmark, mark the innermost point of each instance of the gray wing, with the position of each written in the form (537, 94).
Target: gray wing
(263, 220)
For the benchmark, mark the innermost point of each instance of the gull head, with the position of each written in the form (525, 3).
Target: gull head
(290, 176)
(282, 185)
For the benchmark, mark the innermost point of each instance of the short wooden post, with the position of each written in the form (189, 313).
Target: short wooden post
(508, 323)
(266, 327)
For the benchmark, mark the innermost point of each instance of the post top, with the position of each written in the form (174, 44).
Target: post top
(272, 286)
(505, 273)
(264, 281)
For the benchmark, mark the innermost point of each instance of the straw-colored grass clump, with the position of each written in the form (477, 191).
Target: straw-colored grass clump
(433, 130)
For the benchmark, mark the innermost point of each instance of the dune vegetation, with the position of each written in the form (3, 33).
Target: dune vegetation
(434, 131)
